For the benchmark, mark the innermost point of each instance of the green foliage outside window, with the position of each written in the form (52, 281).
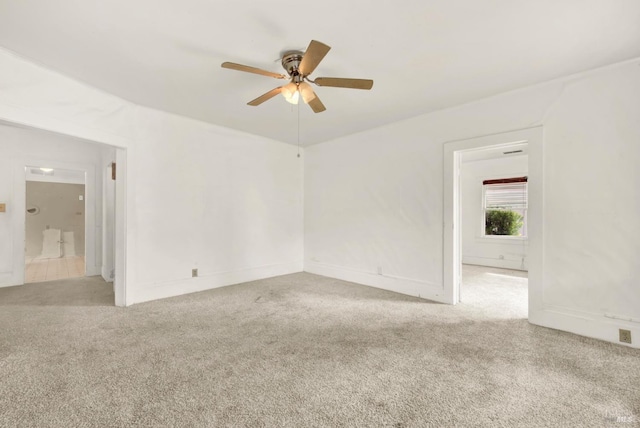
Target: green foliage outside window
(503, 222)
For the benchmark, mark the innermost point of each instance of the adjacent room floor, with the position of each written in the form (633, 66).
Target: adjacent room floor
(501, 292)
(298, 350)
(38, 270)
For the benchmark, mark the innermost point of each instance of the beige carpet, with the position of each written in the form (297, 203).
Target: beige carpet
(298, 351)
(498, 293)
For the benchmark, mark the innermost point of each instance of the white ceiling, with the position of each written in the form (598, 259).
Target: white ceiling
(423, 55)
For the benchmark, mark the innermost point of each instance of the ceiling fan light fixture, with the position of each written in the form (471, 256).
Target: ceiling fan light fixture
(306, 92)
(293, 99)
(290, 93)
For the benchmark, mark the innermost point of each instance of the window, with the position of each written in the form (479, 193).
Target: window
(505, 207)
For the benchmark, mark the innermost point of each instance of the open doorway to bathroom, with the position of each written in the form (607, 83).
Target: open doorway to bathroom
(54, 224)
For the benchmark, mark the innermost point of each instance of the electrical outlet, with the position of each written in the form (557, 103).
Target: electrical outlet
(625, 336)
(379, 270)
(194, 273)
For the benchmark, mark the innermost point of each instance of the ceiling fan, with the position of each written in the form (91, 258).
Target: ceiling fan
(299, 65)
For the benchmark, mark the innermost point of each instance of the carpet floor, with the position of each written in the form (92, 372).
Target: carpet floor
(303, 351)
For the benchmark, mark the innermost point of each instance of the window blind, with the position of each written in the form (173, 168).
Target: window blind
(505, 195)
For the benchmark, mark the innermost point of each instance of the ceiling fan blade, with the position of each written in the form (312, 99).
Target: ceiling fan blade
(316, 105)
(265, 97)
(344, 83)
(246, 68)
(312, 57)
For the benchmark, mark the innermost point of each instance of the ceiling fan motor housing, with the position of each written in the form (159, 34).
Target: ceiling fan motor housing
(291, 61)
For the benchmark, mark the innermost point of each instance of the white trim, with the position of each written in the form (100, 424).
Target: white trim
(153, 291)
(105, 273)
(18, 220)
(451, 210)
(504, 239)
(493, 262)
(120, 242)
(108, 216)
(587, 324)
(409, 286)
(622, 318)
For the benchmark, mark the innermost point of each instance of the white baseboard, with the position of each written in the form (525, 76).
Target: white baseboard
(408, 286)
(497, 263)
(593, 325)
(148, 292)
(106, 274)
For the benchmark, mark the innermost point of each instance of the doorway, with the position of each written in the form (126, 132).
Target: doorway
(54, 224)
(493, 205)
(27, 146)
(453, 220)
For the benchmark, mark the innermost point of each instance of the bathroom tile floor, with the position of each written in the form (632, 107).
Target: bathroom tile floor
(38, 270)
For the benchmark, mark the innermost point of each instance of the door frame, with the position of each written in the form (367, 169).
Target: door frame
(91, 226)
(452, 247)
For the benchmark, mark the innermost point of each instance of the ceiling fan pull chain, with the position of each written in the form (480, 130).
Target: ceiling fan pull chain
(298, 114)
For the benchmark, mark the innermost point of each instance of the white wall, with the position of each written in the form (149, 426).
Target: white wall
(20, 147)
(375, 199)
(228, 205)
(477, 249)
(196, 195)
